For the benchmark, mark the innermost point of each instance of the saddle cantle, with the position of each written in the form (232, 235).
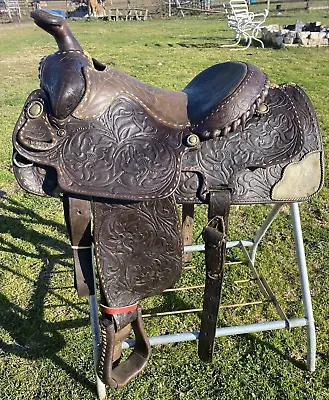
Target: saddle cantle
(126, 152)
(223, 97)
(276, 157)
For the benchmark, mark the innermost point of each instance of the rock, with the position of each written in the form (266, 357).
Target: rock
(288, 40)
(279, 41)
(272, 28)
(304, 35)
(315, 35)
(281, 37)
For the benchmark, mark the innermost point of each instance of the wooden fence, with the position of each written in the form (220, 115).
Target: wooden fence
(160, 7)
(292, 5)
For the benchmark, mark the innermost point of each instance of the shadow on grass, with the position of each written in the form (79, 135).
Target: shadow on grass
(34, 337)
(223, 43)
(253, 339)
(208, 43)
(16, 228)
(171, 302)
(200, 45)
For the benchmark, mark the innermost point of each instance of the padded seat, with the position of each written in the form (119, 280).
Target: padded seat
(211, 87)
(224, 96)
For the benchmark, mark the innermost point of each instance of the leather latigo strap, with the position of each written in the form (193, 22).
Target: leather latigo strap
(138, 253)
(78, 221)
(214, 235)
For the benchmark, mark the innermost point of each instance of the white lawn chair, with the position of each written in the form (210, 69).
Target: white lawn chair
(10, 8)
(14, 8)
(4, 9)
(246, 24)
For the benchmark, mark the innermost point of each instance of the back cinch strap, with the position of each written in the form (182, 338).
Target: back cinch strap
(215, 236)
(118, 310)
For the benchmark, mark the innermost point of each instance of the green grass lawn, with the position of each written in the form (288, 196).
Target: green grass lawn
(45, 338)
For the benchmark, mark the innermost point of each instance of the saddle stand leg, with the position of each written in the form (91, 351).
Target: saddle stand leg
(306, 295)
(77, 214)
(94, 321)
(187, 228)
(263, 229)
(303, 275)
(214, 235)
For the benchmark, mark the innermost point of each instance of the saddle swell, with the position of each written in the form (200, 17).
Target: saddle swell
(132, 150)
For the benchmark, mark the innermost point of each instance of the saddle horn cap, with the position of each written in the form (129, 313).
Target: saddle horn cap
(58, 28)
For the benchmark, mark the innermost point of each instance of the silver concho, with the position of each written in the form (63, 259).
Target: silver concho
(34, 109)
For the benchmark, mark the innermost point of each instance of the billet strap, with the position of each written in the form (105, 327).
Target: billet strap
(117, 374)
(78, 221)
(118, 310)
(214, 235)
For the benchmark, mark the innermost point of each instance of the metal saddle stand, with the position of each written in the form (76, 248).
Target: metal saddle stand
(249, 249)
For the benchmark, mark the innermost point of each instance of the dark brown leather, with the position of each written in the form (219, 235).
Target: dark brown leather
(103, 87)
(137, 158)
(64, 95)
(223, 97)
(34, 178)
(138, 254)
(215, 237)
(96, 134)
(252, 162)
(77, 213)
(116, 374)
(58, 28)
(138, 249)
